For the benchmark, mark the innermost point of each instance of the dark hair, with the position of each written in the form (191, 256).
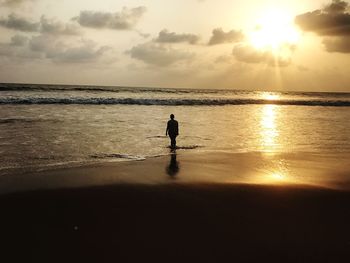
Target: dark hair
(172, 116)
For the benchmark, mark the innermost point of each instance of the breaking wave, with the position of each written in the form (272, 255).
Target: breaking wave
(172, 102)
(114, 89)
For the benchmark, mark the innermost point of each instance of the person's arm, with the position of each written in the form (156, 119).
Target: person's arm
(167, 128)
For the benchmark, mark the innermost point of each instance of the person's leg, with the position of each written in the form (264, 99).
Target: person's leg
(173, 142)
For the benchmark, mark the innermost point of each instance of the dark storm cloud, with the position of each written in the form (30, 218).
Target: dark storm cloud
(249, 54)
(171, 37)
(126, 19)
(220, 37)
(18, 23)
(333, 20)
(158, 55)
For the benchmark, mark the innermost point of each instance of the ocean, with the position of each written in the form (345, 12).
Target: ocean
(49, 126)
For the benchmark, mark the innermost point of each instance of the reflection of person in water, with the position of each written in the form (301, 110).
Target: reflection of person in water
(173, 168)
(173, 130)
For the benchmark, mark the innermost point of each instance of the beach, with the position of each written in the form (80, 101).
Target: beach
(174, 131)
(67, 126)
(86, 175)
(199, 207)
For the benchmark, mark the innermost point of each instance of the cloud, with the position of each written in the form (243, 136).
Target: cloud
(142, 34)
(158, 55)
(51, 26)
(333, 20)
(336, 7)
(17, 48)
(85, 52)
(6, 50)
(220, 37)
(52, 48)
(171, 37)
(124, 20)
(42, 43)
(332, 23)
(45, 25)
(18, 23)
(224, 59)
(58, 51)
(14, 3)
(19, 40)
(248, 54)
(337, 44)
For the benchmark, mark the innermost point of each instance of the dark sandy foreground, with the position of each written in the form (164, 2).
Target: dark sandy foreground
(176, 223)
(192, 209)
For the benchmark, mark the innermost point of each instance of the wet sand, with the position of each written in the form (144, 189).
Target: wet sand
(95, 214)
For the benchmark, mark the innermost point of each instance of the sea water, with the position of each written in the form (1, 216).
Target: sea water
(49, 126)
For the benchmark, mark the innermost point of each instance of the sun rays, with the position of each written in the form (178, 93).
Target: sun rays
(274, 32)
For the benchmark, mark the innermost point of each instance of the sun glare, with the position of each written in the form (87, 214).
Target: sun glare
(270, 96)
(274, 31)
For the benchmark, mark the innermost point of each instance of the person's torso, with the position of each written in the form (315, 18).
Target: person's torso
(173, 127)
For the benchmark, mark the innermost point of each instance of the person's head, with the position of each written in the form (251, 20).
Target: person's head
(172, 116)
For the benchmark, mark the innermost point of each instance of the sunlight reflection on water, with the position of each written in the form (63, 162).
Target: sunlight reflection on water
(269, 136)
(269, 131)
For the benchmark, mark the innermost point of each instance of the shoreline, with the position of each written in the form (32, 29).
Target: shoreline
(199, 207)
(256, 168)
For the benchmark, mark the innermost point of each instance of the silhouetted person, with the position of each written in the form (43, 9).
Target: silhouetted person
(173, 168)
(173, 130)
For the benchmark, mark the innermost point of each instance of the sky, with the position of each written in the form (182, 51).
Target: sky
(285, 45)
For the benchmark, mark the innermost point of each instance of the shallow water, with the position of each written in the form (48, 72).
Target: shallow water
(56, 130)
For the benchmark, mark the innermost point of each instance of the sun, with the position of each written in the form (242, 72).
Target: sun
(274, 31)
